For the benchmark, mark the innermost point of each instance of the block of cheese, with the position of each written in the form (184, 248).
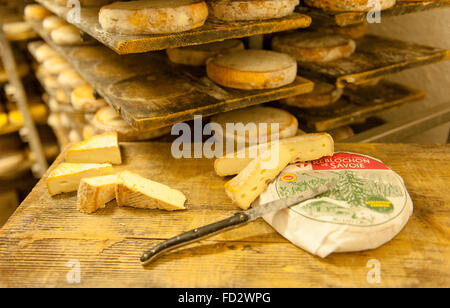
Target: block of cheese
(257, 123)
(67, 176)
(306, 147)
(324, 94)
(314, 46)
(85, 99)
(199, 54)
(36, 12)
(70, 79)
(238, 10)
(67, 35)
(98, 149)
(252, 69)
(44, 52)
(94, 193)
(245, 188)
(53, 22)
(56, 65)
(17, 31)
(350, 5)
(108, 120)
(136, 191)
(153, 17)
(367, 208)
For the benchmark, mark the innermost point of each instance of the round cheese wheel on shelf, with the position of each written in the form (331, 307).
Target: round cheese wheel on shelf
(257, 124)
(199, 54)
(44, 52)
(36, 12)
(84, 99)
(350, 5)
(67, 35)
(252, 69)
(324, 94)
(50, 83)
(353, 31)
(62, 97)
(108, 120)
(70, 79)
(366, 209)
(341, 133)
(314, 46)
(17, 31)
(153, 17)
(239, 10)
(53, 22)
(56, 65)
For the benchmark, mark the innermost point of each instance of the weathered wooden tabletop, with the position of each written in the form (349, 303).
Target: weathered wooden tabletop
(46, 235)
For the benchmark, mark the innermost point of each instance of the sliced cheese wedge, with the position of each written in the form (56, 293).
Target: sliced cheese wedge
(305, 148)
(97, 149)
(135, 191)
(94, 193)
(67, 176)
(257, 175)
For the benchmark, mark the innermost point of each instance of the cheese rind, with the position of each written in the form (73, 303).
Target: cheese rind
(97, 149)
(306, 148)
(67, 176)
(94, 193)
(136, 191)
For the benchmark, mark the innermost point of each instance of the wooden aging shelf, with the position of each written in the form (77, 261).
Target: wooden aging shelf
(352, 18)
(212, 31)
(356, 105)
(150, 92)
(374, 57)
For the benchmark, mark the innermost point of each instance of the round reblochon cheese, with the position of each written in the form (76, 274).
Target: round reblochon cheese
(366, 209)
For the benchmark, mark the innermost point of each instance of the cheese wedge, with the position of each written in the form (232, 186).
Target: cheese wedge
(98, 149)
(257, 175)
(136, 191)
(305, 148)
(67, 176)
(94, 193)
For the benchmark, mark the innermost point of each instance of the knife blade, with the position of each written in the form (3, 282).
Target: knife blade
(237, 220)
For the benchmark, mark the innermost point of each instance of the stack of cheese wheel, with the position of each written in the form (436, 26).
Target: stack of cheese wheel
(323, 95)
(314, 46)
(366, 209)
(254, 125)
(252, 69)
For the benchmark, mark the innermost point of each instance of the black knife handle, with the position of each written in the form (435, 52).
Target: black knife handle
(237, 220)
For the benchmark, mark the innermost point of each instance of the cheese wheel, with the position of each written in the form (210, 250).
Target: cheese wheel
(74, 136)
(324, 94)
(366, 209)
(108, 120)
(11, 162)
(50, 83)
(198, 55)
(62, 97)
(349, 5)
(70, 79)
(353, 31)
(84, 99)
(36, 12)
(67, 35)
(238, 10)
(93, 53)
(314, 46)
(84, 3)
(341, 133)
(18, 31)
(257, 123)
(53, 22)
(44, 52)
(56, 65)
(153, 17)
(252, 69)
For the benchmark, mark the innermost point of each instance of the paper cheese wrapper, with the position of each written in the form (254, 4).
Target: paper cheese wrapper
(366, 209)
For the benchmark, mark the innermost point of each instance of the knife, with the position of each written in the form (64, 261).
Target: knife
(237, 220)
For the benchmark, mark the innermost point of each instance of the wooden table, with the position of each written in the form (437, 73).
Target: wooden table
(46, 233)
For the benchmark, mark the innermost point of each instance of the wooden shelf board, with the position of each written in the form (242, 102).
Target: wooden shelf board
(374, 57)
(153, 72)
(352, 18)
(211, 32)
(357, 105)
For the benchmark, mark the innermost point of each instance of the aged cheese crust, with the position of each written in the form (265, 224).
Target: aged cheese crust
(67, 35)
(314, 46)
(153, 17)
(36, 12)
(83, 98)
(238, 10)
(94, 193)
(18, 31)
(349, 5)
(70, 79)
(53, 22)
(56, 65)
(323, 95)
(136, 191)
(44, 52)
(306, 147)
(198, 55)
(252, 69)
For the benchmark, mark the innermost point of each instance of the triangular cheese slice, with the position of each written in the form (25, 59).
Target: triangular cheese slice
(98, 149)
(67, 176)
(94, 193)
(135, 191)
